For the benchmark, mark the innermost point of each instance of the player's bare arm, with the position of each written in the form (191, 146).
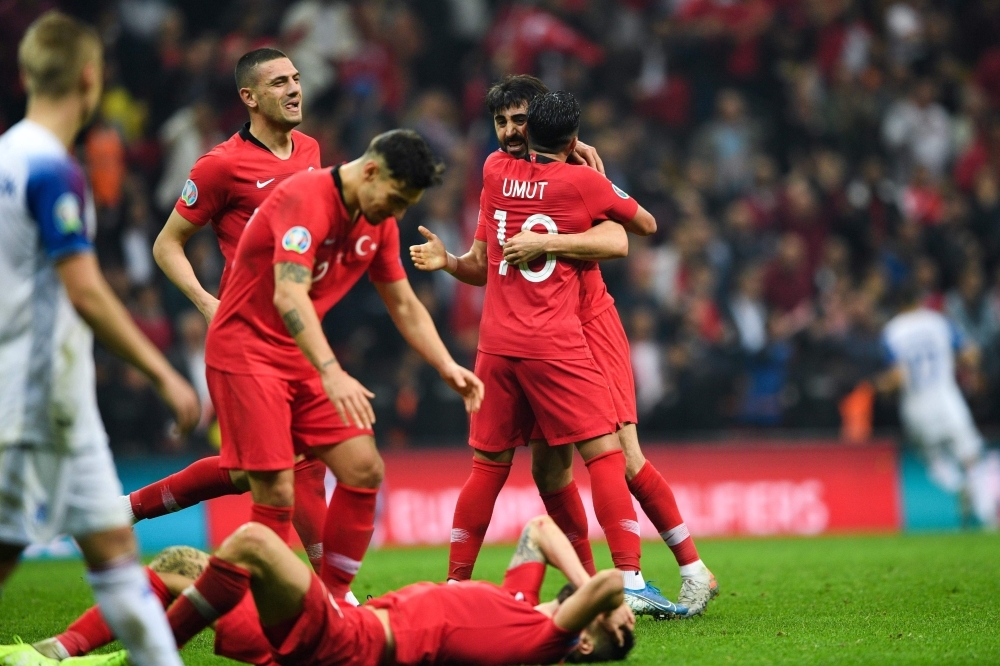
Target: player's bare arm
(168, 251)
(97, 304)
(292, 282)
(417, 328)
(606, 240)
(470, 268)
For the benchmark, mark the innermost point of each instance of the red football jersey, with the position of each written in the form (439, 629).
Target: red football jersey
(305, 222)
(533, 311)
(228, 183)
(473, 622)
(594, 296)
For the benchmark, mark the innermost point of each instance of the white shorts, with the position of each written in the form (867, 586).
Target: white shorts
(44, 493)
(941, 424)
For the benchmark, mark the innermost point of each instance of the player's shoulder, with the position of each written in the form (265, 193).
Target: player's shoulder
(305, 141)
(497, 160)
(222, 156)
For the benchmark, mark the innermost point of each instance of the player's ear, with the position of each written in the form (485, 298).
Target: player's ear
(371, 170)
(572, 145)
(247, 96)
(586, 644)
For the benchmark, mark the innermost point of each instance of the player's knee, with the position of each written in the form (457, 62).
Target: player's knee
(246, 544)
(366, 472)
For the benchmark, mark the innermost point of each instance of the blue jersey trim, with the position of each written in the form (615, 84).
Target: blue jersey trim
(56, 197)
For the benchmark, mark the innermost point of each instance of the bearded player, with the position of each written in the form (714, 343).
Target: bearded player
(56, 471)
(273, 377)
(224, 189)
(508, 102)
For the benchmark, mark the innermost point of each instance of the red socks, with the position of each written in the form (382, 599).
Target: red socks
(201, 480)
(89, 631)
(350, 522)
(566, 509)
(473, 514)
(216, 592)
(613, 506)
(657, 500)
(309, 517)
(278, 518)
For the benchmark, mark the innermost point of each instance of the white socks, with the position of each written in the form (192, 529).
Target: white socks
(127, 504)
(133, 613)
(693, 569)
(633, 580)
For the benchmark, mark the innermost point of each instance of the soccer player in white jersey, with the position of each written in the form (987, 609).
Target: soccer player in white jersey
(921, 345)
(56, 472)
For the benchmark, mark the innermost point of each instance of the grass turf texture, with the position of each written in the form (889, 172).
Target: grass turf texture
(864, 600)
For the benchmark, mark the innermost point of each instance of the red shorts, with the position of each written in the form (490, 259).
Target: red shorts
(568, 399)
(265, 421)
(238, 635)
(327, 633)
(609, 345)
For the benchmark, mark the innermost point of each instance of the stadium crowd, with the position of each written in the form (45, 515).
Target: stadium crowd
(803, 159)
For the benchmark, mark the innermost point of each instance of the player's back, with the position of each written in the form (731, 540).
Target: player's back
(923, 342)
(46, 213)
(531, 311)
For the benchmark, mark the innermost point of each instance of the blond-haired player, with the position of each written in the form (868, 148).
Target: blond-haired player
(56, 472)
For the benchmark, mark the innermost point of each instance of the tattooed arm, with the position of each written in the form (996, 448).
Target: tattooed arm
(542, 541)
(291, 297)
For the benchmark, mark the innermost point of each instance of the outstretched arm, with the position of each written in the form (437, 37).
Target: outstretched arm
(417, 328)
(291, 298)
(168, 250)
(470, 268)
(542, 541)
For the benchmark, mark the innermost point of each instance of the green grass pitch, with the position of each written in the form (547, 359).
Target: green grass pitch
(926, 599)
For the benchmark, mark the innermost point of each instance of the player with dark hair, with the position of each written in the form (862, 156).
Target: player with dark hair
(225, 187)
(507, 102)
(273, 377)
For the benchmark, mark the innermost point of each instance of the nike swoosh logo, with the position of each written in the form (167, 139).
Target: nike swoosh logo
(265, 183)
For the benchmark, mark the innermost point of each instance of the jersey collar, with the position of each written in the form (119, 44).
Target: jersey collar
(539, 159)
(247, 136)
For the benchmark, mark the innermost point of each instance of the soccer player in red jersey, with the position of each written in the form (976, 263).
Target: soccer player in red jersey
(225, 187)
(508, 102)
(274, 379)
(472, 622)
(425, 623)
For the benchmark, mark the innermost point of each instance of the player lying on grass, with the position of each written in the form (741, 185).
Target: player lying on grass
(507, 102)
(237, 634)
(471, 622)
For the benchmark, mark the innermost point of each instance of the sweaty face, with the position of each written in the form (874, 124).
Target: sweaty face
(382, 197)
(511, 125)
(278, 93)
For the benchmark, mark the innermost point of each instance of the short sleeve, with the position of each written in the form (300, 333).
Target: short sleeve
(888, 355)
(297, 224)
(387, 266)
(206, 191)
(524, 582)
(958, 341)
(57, 196)
(604, 199)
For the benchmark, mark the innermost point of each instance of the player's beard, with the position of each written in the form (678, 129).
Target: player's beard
(276, 114)
(519, 150)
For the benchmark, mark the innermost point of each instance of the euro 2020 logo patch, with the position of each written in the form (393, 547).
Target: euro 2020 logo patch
(190, 193)
(66, 212)
(619, 191)
(297, 239)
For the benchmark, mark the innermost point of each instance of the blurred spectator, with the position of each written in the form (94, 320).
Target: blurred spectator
(728, 143)
(918, 131)
(186, 136)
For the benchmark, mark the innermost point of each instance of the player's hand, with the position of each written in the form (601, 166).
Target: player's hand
(525, 246)
(349, 397)
(181, 399)
(432, 255)
(466, 384)
(617, 620)
(209, 309)
(588, 156)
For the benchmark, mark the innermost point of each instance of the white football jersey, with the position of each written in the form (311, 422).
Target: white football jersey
(923, 343)
(47, 395)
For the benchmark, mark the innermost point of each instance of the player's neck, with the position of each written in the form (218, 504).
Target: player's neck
(277, 139)
(61, 117)
(552, 156)
(351, 177)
